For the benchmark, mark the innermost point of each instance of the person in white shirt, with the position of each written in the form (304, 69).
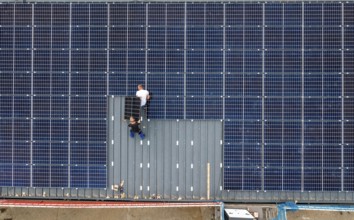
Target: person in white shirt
(143, 95)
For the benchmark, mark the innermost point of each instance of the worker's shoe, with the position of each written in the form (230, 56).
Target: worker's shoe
(142, 135)
(132, 134)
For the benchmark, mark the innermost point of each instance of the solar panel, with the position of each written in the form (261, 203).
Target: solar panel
(280, 76)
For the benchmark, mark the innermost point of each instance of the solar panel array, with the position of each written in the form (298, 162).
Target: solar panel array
(280, 75)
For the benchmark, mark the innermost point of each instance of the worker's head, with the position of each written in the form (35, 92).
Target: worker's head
(140, 87)
(132, 119)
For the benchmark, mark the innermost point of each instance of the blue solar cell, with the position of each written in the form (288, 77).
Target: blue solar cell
(272, 132)
(273, 38)
(6, 145)
(252, 135)
(196, 39)
(292, 152)
(98, 14)
(118, 61)
(214, 12)
(22, 61)
(97, 131)
(98, 38)
(348, 179)
(42, 37)
(21, 175)
(273, 109)
(41, 176)
(293, 12)
(292, 132)
(254, 108)
(79, 176)
(332, 14)
(274, 14)
(42, 14)
(41, 152)
(331, 109)
(97, 154)
(133, 80)
(273, 61)
(6, 17)
(157, 107)
(253, 14)
(22, 107)
(6, 174)
(59, 176)
(252, 38)
(313, 156)
(41, 130)
(61, 15)
(273, 179)
(348, 131)
(156, 37)
(313, 14)
(251, 179)
(136, 14)
(174, 85)
(234, 14)
(213, 61)
(332, 61)
(292, 179)
(234, 85)
(313, 38)
(59, 132)
(212, 108)
(97, 84)
(59, 107)
(252, 85)
(332, 132)
(234, 108)
(59, 156)
(79, 129)
(175, 38)
(252, 61)
(196, 14)
(41, 107)
(175, 14)
(313, 109)
(136, 61)
(23, 14)
(22, 148)
(293, 39)
(313, 179)
(156, 61)
(273, 153)
(80, 37)
(332, 179)
(117, 84)
(98, 61)
(79, 83)
(97, 177)
(60, 40)
(79, 107)
(273, 85)
(6, 106)
(195, 107)
(174, 107)
(6, 37)
(156, 14)
(80, 14)
(234, 61)
(42, 60)
(118, 14)
(6, 62)
(348, 156)
(348, 64)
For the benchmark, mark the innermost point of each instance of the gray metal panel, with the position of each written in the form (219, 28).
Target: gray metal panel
(167, 163)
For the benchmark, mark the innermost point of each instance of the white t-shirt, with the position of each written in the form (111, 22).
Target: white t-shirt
(142, 94)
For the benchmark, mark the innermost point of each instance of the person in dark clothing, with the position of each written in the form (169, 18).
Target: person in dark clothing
(134, 128)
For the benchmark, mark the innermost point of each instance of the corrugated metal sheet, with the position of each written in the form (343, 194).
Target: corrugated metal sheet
(171, 162)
